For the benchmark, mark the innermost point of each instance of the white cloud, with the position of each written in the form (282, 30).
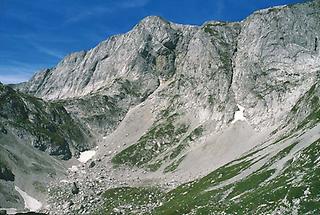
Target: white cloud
(220, 7)
(134, 3)
(14, 79)
(48, 51)
(84, 14)
(17, 72)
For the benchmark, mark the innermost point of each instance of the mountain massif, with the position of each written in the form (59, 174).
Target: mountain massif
(221, 118)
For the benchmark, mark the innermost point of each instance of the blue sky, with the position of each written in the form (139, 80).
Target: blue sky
(36, 34)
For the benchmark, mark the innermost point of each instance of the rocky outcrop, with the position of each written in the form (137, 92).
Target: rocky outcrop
(6, 174)
(277, 60)
(138, 56)
(46, 126)
(74, 189)
(265, 63)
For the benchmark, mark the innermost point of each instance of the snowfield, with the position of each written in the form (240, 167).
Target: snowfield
(30, 203)
(86, 156)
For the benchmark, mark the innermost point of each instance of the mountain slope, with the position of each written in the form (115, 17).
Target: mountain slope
(277, 60)
(31, 169)
(210, 117)
(31, 130)
(280, 176)
(46, 126)
(263, 62)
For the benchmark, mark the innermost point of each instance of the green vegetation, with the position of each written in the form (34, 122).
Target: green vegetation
(274, 10)
(311, 98)
(155, 165)
(161, 136)
(163, 141)
(295, 187)
(284, 152)
(263, 191)
(185, 142)
(252, 195)
(312, 119)
(188, 197)
(174, 165)
(209, 28)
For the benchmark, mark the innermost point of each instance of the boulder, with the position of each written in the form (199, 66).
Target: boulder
(74, 189)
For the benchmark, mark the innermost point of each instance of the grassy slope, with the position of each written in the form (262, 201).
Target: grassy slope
(295, 189)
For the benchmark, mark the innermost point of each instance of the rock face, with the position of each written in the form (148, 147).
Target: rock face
(259, 63)
(139, 56)
(277, 60)
(161, 99)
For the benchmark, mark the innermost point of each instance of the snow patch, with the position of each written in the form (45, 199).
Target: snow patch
(86, 156)
(64, 181)
(29, 202)
(239, 115)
